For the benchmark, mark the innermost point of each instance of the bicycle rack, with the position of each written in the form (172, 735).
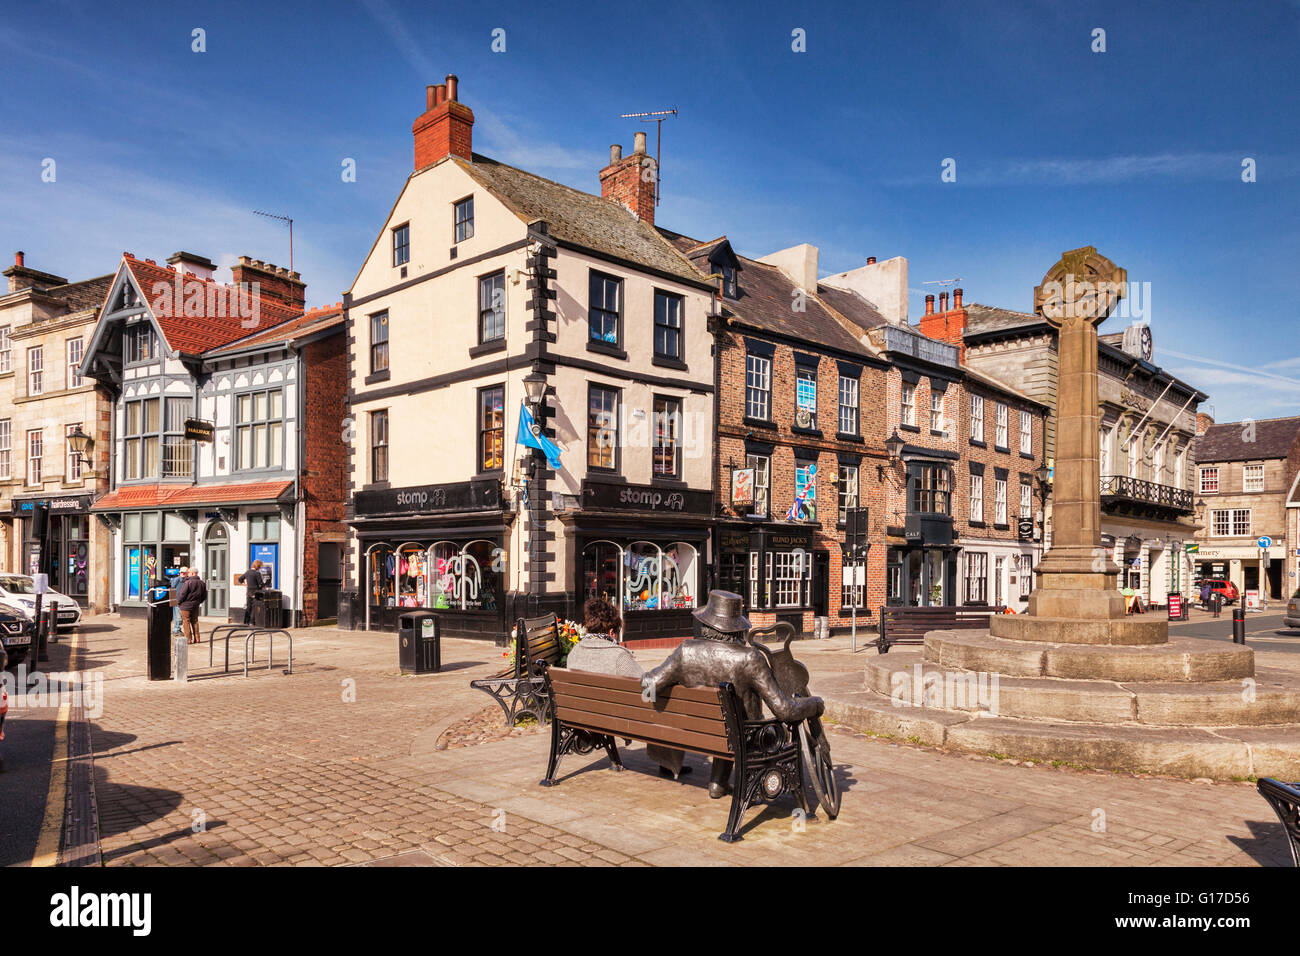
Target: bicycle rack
(225, 632)
(270, 633)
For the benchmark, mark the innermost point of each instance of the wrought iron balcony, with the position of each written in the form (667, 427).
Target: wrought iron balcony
(1123, 490)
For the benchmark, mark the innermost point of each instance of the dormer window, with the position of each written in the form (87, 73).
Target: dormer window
(729, 284)
(141, 345)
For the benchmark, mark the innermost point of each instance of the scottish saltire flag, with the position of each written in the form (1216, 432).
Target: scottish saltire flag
(530, 434)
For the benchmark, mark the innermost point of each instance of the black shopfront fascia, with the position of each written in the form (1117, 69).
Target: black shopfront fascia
(62, 549)
(398, 523)
(617, 515)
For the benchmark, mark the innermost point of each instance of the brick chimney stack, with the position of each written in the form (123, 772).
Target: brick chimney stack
(630, 181)
(946, 325)
(1203, 423)
(21, 277)
(273, 281)
(446, 126)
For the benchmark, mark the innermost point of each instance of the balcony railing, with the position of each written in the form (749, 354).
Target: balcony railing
(1146, 492)
(178, 461)
(899, 339)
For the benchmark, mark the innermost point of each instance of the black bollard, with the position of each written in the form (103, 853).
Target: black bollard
(43, 634)
(1239, 625)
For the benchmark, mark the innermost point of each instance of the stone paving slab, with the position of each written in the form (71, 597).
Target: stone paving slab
(334, 765)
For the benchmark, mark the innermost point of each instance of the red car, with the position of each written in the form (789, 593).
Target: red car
(1222, 587)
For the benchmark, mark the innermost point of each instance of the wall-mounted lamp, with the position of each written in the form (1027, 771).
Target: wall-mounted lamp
(894, 448)
(81, 444)
(534, 388)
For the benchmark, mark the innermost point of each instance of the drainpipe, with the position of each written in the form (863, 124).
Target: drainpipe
(299, 507)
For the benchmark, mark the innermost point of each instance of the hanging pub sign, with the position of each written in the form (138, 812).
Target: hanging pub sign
(198, 430)
(1025, 529)
(742, 488)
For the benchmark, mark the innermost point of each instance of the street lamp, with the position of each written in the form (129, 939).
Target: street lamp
(894, 449)
(80, 443)
(534, 389)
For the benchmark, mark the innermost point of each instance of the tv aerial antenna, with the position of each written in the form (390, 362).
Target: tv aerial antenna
(271, 215)
(943, 283)
(658, 116)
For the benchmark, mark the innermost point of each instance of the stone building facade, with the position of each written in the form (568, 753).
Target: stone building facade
(1245, 483)
(1148, 423)
(45, 489)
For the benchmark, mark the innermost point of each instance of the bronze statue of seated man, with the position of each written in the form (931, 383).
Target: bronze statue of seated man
(720, 654)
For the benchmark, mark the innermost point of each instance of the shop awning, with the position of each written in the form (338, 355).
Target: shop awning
(139, 497)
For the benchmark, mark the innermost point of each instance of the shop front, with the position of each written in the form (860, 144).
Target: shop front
(644, 548)
(56, 541)
(1250, 568)
(772, 565)
(435, 547)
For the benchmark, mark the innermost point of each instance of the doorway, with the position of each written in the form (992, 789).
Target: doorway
(216, 550)
(329, 579)
(821, 583)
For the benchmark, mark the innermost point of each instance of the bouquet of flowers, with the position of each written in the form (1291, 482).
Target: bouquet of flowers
(571, 632)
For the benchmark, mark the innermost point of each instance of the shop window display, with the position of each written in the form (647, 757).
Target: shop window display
(445, 576)
(650, 578)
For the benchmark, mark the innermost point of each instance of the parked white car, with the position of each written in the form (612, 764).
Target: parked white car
(19, 591)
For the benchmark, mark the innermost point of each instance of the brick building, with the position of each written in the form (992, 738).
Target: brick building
(1247, 474)
(962, 505)
(796, 421)
(46, 489)
(172, 347)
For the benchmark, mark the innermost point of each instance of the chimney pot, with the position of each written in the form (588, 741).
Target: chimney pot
(639, 143)
(943, 301)
(430, 97)
(452, 83)
(615, 153)
(929, 305)
(439, 94)
(956, 298)
(871, 260)
(19, 259)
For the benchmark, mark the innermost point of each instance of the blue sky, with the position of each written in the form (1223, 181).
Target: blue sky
(1137, 150)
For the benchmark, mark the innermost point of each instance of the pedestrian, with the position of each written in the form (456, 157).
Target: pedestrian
(174, 583)
(192, 595)
(1206, 591)
(255, 582)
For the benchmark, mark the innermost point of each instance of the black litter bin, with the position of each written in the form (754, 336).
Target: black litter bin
(419, 649)
(267, 609)
(348, 605)
(158, 649)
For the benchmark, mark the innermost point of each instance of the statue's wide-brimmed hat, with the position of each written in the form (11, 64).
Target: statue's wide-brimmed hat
(723, 612)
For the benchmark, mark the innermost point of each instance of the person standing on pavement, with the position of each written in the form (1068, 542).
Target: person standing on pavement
(1206, 592)
(253, 580)
(174, 583)
(192, 595)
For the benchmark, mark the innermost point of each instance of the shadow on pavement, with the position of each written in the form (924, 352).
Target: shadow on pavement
(1267, 844)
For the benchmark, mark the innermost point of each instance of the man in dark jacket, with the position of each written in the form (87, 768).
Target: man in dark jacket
(255, 582)
(192, 594)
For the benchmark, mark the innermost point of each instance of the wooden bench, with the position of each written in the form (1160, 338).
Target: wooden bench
(909, 625)
(590, 710)
(1285, 800)
(521, 688)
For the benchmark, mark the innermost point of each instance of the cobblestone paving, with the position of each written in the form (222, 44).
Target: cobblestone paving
(336, 764)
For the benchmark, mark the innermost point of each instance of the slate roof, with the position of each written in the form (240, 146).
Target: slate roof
(852, 306)
(766, 294)
(987, 318)
(580, 218)
(1274, 438)
(86, 294)
(195, 335)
